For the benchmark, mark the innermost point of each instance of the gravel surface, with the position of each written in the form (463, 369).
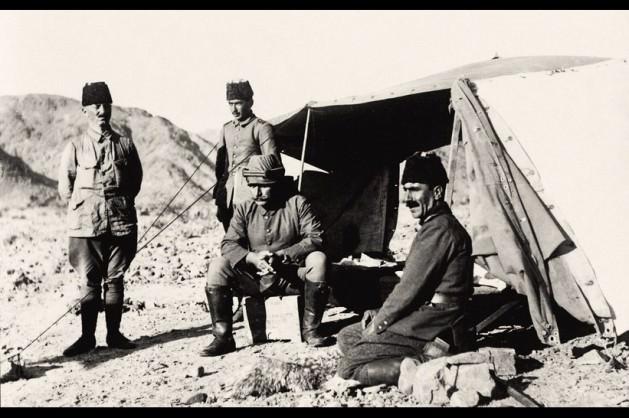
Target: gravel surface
(167, 316)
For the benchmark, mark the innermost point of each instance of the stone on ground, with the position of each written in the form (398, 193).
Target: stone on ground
(502, 359)
(464, 398)
(476, 377)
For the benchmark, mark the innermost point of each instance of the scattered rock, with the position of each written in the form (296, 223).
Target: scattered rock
(470, 357)
(22, 280)
(160, 366)
(502, 359)
(476, 377)
(374, 389)
(338, 385)
(464, 398)
(408, 369)
(591, 357)
(427, 383)
(197, 398)
(450, 375)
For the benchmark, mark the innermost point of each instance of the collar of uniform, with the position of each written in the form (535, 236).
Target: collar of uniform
(99, 136)
(441, 209)
(244, 122)
(275, 206)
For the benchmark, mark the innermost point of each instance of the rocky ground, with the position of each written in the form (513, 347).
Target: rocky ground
(168, 319)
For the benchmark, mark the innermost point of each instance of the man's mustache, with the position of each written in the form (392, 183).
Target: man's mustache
(412, 204)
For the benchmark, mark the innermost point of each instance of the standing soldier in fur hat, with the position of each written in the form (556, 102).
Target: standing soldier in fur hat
(435, 285)
(272, 248)
(99, 176)
(240, 138)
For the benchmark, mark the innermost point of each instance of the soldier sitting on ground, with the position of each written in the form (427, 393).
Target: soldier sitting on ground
(436, 284)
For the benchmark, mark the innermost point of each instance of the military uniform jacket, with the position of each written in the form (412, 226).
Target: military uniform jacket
(238, 141)
(290, 226)
(99, 177)
(439, 261)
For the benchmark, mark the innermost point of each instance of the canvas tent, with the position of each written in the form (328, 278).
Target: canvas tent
(546, 152)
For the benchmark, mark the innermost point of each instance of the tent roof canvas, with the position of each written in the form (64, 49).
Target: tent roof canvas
(356, 129)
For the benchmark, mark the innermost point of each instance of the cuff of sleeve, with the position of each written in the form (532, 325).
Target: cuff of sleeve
(381, 325)
(295, 253)
(236, 257)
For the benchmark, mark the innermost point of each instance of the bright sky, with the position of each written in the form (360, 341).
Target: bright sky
(175, 63)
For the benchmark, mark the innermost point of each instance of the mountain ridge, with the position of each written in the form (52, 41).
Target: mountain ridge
(34, 129)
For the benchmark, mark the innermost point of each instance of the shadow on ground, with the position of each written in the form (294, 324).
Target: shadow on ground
(102, 354)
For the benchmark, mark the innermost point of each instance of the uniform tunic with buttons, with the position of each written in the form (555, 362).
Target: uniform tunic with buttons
(100, 175)
(439, 261)
(290, 226)
(238, 141)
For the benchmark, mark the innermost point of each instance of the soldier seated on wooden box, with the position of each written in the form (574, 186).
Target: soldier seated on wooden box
(272, 247)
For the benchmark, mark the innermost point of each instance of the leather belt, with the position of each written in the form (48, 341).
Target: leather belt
(447, 299)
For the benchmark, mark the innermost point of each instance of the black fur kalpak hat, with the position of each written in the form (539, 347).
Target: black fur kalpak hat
(239, 90)
(424, 169)
(95, 93)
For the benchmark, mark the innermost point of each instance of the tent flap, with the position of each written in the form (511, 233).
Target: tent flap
(495, 192)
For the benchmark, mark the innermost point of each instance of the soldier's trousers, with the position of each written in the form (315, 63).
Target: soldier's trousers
(221, 273)
(358, 351)
(102, 262)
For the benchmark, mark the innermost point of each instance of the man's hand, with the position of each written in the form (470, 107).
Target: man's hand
(367, 323)
(368, 316)
(261, 261)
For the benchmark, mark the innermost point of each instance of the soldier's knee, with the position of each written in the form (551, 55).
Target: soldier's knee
(317, 259)
(317, 266)
(90, 292)
(346, 369)
(218, 272)
(348, 337)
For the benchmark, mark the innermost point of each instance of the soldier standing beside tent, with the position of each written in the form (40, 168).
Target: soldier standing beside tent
(435, 285)
(240, 138)
(99, 176)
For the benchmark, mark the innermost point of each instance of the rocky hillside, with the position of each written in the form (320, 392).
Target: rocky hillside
(35, 128)
(21, 186)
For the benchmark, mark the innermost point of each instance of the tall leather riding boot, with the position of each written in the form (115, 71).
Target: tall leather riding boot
(377, 372)
(87, 340)
(220, 303)
(315, 299)
(113, 315)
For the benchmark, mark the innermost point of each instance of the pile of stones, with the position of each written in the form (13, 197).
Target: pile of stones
(464, 380)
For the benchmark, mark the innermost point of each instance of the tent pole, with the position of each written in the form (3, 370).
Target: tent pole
(454, 148)
(303, 150)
